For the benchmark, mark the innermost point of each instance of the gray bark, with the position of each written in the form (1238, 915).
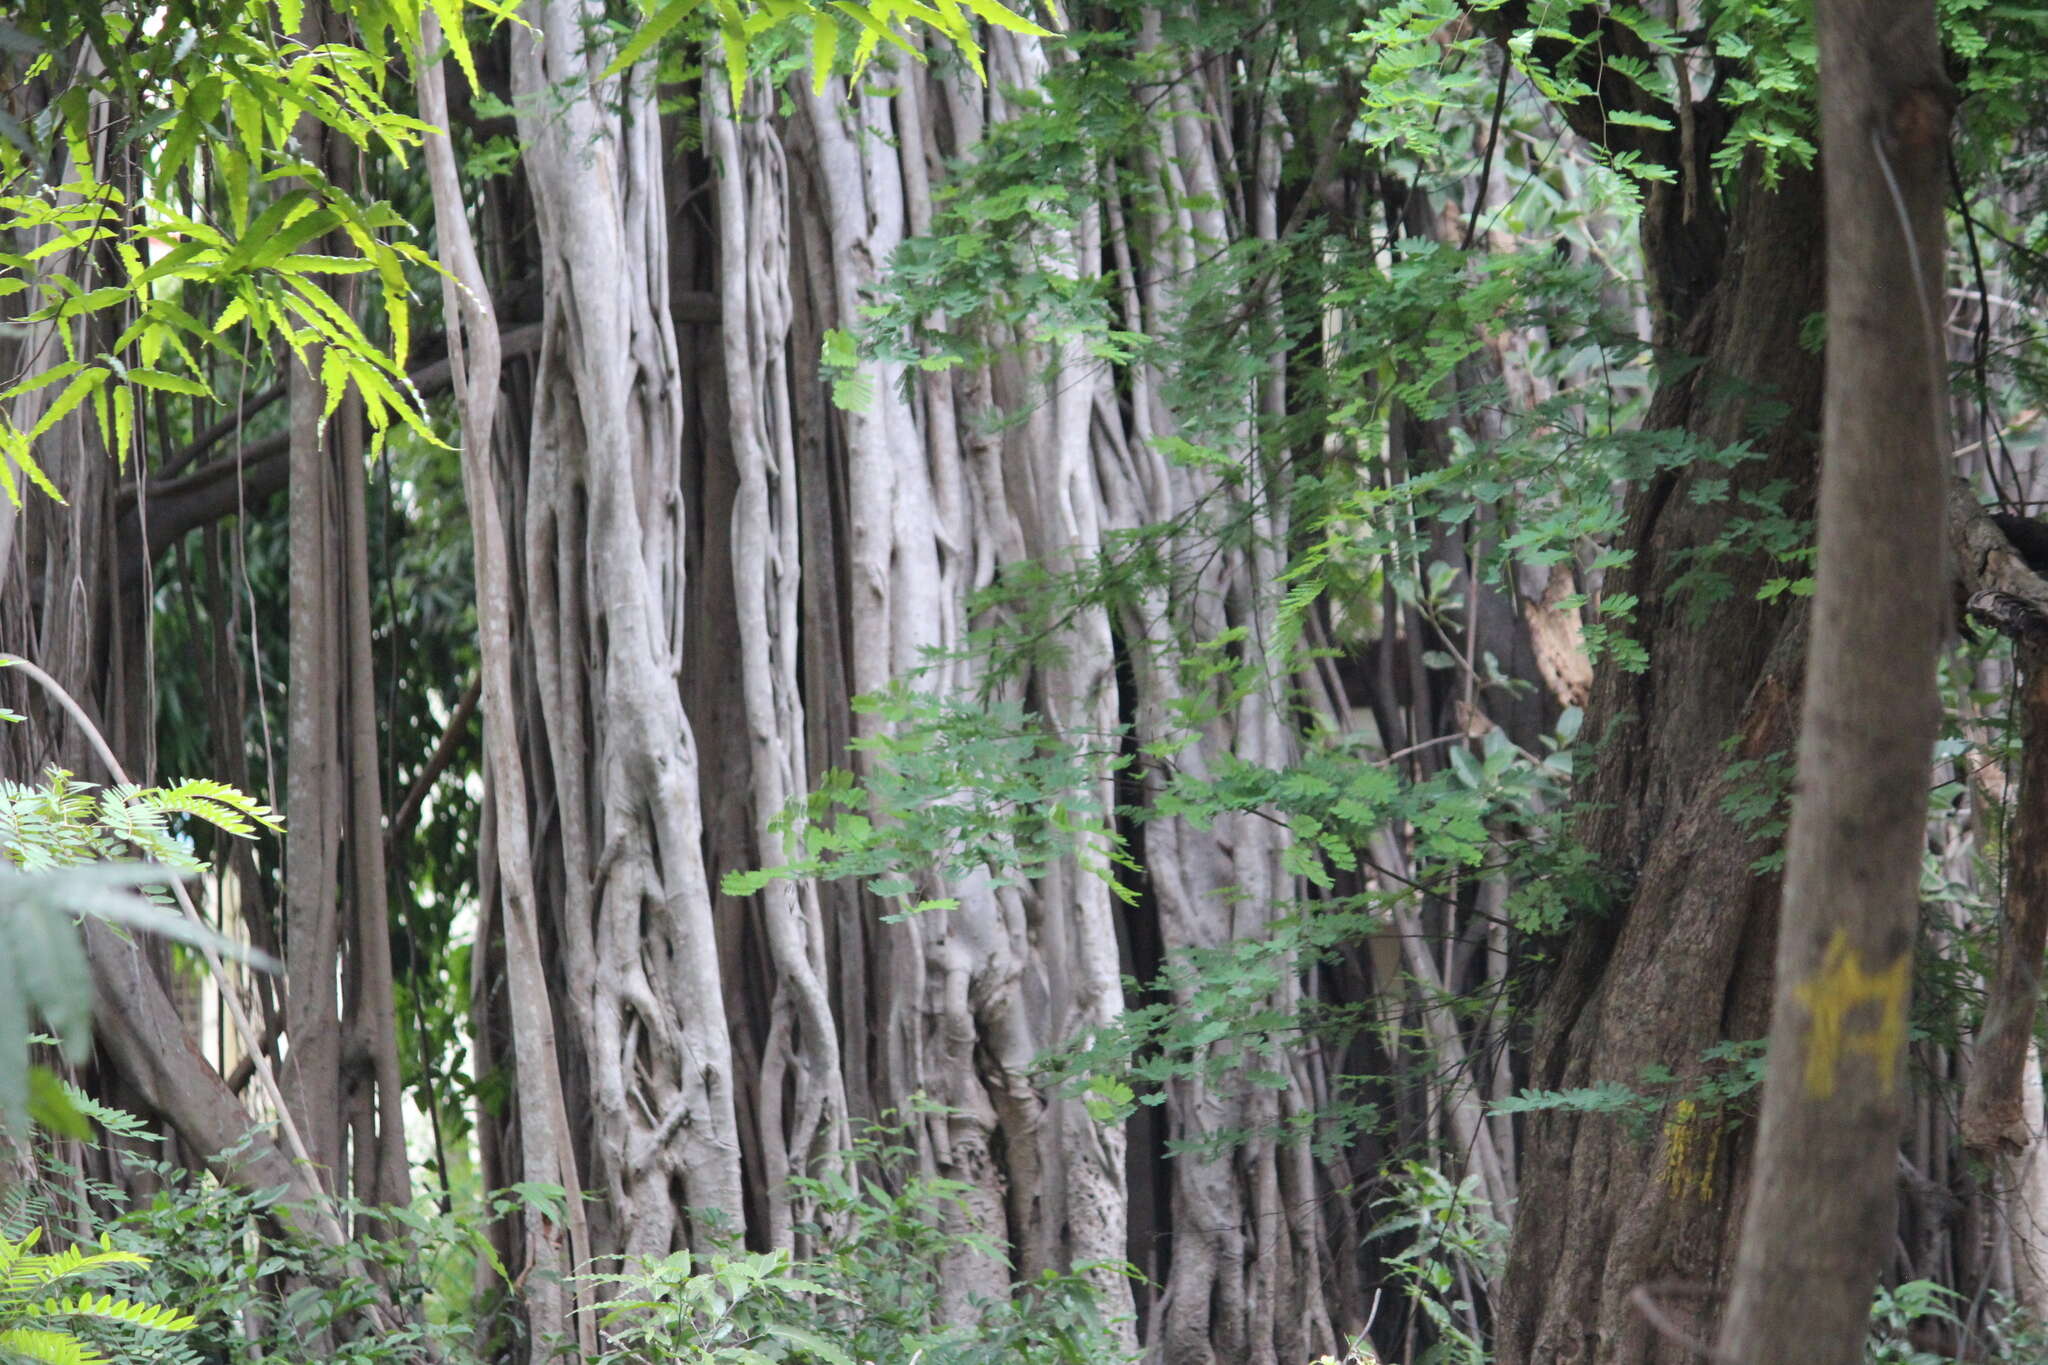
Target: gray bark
(604, 590)
(753, 240)
(474, 351)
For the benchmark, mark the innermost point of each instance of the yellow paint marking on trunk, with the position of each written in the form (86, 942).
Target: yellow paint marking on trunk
(1839, 988)
(1689, 1142)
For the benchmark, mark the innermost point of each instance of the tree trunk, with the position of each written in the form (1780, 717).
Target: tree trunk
(971, 995)
(2023, 1191)
(340, 1004)
(1994, 1118)
(828, 552)
(802, 1049)
(546, 1150)
(314, 786)
(605, 541)
(67, 603)
(1677, 958)
(1822, 1199)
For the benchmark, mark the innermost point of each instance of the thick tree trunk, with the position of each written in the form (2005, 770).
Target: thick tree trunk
(605, 539)
(1678, 959)
(905, 509)
(936, 507)
(1823, 1196)
(828, 553)
(802, 1050)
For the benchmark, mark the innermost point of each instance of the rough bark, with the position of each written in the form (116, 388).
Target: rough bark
(1677, 959)
(803, 1049)
(947, 992)
(604, 545)
(1822, 1199)
(827, 553)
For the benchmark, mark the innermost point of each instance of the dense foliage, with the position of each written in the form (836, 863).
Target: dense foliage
(1139, 603)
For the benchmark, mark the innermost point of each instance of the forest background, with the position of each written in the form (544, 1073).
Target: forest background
(1029, 686)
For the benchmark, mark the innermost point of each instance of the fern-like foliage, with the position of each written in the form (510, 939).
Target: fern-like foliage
(66, 822)
(39, 1324)
(69, 848)
(46, 1346)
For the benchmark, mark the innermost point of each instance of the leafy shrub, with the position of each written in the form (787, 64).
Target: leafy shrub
(248, 1288)
(869, 1296)
(245, 1288)
(1454, 1250)
(39, 1322)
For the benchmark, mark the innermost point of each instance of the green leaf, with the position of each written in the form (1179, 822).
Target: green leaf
(808, 1341)
(732, 39)
(742, 884)
(62, 370)
(1632, 119)
(653, 31)
(52, 1108)
(74, 394)
(168, 383)
(200, 104)
(994, 13)
(824, 50)
(47, 1346)
(450, 13)
(873, 32)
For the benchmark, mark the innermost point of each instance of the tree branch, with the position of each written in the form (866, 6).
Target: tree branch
(443, 755)
(1996, 578)
(180, 503)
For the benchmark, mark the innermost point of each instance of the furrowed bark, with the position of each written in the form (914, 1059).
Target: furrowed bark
(753, 216)
(1061, 504)
(1241, 1284)
(605, 557)
(937, 500)
(1688, 918)
(904, 598)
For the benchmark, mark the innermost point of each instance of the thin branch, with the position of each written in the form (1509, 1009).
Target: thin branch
(1500, 100)
(444, 754)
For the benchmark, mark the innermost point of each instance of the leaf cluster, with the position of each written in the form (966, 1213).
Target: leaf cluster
(66, 851)
(38, 1322)
(205, 197)
(871, 1293)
